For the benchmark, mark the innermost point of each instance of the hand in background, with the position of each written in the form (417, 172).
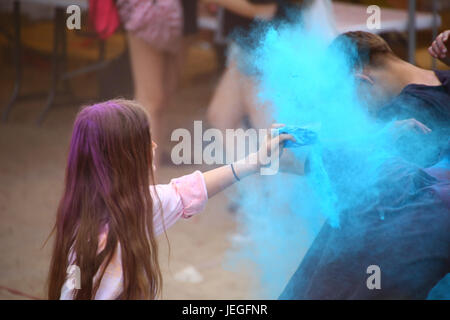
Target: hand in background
(440, 46)
(402, 127)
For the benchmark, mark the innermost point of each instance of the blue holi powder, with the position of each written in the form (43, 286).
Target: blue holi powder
(441, 291)
(302, 136)
(307, 83)
(274, 240)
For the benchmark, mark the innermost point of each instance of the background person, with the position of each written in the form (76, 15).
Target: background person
(234, 103)
(155, 31)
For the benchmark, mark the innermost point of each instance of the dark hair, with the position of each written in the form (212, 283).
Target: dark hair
(370, 49)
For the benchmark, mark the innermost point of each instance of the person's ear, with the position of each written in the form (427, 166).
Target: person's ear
(364, 78)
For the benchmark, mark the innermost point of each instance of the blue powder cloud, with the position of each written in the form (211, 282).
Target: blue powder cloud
(308, 83)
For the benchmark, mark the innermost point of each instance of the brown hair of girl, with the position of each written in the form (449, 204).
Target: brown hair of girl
(108, 174)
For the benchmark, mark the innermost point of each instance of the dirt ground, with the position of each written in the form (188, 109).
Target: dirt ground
(32, 161)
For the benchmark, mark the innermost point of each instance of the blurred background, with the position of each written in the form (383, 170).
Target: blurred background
(47, 72)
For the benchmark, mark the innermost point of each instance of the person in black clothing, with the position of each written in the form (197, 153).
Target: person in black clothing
(190, 25)
(404, 230)
(234, 103)
(410, 244)
(241, 20)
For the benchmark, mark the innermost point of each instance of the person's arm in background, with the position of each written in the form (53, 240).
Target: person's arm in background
(439, 49)
(247, 9)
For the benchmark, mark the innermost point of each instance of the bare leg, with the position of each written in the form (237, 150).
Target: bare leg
(148, 66)
(226, 108)
(174, 66)
(234, 98)
(259, 113)
(175, 63)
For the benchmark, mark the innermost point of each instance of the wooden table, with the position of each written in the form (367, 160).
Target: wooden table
(59, 52)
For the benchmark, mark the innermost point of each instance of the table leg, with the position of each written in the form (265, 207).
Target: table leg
(58, 41)
(412, 31)
(434, 9)
(17, 52)
(66, 84)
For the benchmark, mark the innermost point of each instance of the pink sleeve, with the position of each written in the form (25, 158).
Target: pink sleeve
(182, 197)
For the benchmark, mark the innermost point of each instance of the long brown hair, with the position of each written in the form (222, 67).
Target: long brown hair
(107, 183)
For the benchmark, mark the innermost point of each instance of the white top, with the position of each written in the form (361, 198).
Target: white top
(181, 198)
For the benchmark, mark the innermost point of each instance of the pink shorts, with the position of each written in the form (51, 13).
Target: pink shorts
(157, 22)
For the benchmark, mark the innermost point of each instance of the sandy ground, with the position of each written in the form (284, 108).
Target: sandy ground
(32, 161)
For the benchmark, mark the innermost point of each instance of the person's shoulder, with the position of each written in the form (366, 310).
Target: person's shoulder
(397, 107)
(444, 74)
(418, 101)
(444, 78)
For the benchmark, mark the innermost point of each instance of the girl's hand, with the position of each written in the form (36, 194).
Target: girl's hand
(438, 48)
(218, 179)
(270, 149)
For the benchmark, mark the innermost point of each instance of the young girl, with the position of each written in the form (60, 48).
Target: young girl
(111, 211)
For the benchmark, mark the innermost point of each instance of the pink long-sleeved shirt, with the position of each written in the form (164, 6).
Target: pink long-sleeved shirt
(181, 198)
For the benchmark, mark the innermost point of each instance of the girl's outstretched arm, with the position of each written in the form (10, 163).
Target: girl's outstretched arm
(218, 179)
